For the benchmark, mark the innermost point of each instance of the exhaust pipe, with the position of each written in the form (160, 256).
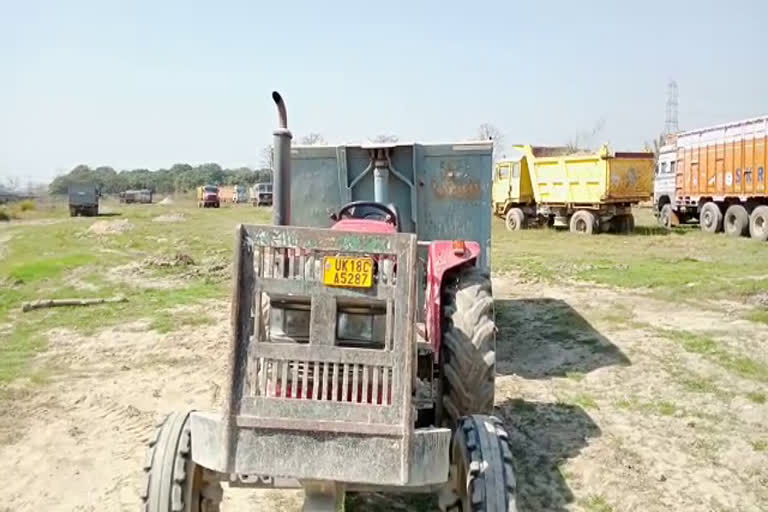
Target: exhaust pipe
(281, 174)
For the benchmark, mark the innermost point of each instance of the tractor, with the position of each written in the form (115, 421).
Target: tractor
(362, 351)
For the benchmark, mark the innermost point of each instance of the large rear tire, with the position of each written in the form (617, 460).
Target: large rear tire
(468, 349)
(711, 218)
(665, 216)
(758, 223)
(736, 221)
(174, 483)
(583, 222)
(482, 472)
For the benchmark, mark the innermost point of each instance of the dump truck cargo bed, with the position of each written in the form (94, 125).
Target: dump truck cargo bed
(560, 176)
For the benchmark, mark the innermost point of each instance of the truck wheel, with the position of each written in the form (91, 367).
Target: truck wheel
(173, 482)
(711, 218)
(482, 472)
(665, 216)
(583, 222)
(758, 223)
(468, 349)
(514, 219)
(736, 221)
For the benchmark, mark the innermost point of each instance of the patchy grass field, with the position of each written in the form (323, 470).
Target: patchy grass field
(632, 370)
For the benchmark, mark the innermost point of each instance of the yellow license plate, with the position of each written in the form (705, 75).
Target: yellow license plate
(348, 272)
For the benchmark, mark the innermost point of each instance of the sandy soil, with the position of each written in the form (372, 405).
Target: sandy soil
(595, 400)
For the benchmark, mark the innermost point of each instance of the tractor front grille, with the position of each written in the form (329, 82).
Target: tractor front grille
(304, 376)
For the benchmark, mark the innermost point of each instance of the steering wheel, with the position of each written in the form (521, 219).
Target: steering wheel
(361, 210)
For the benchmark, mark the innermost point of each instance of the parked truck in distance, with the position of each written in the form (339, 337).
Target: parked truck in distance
(83, 200)
(716, 175)
(143, 196)
(261, 194)
(588, 192)
(208, 196)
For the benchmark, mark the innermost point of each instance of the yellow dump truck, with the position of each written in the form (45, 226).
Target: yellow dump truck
(589, 192)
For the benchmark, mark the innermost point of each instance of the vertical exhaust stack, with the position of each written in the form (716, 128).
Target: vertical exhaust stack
(281, 147)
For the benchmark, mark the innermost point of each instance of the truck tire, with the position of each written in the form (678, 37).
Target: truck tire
(173, 482)
(514, 219)
(711, 218)
(758, 223)
(468, 348)
(483, 474)
(583, 222)
(665, 216)
(736, 221)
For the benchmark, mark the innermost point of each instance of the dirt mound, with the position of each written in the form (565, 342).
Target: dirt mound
(107, 227)
(170, 217)
(167, 200)
(177, 260)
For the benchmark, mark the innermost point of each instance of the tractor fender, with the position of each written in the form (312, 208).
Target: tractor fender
(442, 258)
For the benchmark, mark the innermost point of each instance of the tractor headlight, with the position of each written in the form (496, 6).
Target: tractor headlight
(364, 329)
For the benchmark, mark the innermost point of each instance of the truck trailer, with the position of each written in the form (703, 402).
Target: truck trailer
(588, 192)
(716, 175)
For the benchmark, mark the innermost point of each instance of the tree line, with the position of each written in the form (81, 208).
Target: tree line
(179, 178)
(183, 177)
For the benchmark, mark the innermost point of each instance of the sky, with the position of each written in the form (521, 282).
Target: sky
(146, 84)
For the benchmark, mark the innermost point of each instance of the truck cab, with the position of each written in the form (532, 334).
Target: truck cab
(664, 184)
(511, 184)
(208, 196)
(83, 200)
(261, 194)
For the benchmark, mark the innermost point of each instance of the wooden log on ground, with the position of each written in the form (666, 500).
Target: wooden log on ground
(52, 303)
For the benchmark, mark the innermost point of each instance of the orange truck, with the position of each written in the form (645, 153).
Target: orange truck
(719, 178)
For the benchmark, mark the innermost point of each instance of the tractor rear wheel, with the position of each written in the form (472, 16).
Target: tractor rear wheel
(174, 483)
(468, 349)
(482, 472)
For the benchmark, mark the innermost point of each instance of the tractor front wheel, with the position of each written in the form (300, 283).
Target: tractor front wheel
(468, 349)
(482, 475)
(174, 483)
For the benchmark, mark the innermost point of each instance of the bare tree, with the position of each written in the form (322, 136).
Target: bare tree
(313, 139)
(586, 139)
(385, 138)
(268, 157)
(11, 183)
(487, 131)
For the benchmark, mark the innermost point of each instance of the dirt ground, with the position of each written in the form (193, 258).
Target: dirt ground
(606, 412)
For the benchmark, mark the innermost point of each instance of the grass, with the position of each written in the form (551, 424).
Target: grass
(759, 316)
(757, 397)
(675, 266)
(40, 260)
(662, 407)
(596, 503)
(710, 348)
(584, 400)
(760, 445)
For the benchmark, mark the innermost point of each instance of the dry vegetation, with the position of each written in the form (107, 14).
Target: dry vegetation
(633, 370)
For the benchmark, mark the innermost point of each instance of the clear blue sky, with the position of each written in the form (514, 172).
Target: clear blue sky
(146, 84)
